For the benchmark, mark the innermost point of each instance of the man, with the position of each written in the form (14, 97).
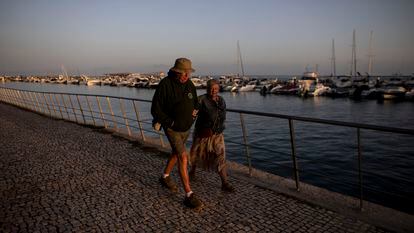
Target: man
(174, 106)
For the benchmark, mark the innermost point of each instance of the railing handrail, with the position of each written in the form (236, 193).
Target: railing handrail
(276, 115)
(81, 94)
(329, 122)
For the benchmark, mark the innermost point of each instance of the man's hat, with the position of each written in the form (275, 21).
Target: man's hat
(182, 65)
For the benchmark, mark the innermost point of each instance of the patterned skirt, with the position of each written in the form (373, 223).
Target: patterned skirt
(209, 153)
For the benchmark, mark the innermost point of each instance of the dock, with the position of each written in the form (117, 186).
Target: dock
(59, 176)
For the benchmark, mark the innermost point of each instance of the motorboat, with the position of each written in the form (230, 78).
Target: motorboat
(308, 82)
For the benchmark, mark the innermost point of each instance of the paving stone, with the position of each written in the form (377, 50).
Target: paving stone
(60, 176)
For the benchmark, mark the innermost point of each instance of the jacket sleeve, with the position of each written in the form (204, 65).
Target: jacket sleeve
(158, 107)
(225, 109)
(196, 99)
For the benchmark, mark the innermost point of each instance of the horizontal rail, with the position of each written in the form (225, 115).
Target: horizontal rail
(329, 122)
(274, 115)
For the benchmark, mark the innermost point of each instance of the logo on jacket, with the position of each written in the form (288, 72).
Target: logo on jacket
(190, 95)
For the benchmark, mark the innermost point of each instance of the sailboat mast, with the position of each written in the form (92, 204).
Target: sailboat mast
(370, 55)
(65, 74)
(353, 61)
(240, 58)
(333, 63)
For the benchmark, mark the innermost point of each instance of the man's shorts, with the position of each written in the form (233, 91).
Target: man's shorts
(177, 140)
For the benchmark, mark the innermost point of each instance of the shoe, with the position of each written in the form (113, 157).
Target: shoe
(192, 202)
(226, 187)
(169, 183)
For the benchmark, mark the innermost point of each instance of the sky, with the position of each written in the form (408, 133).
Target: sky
(278, 37)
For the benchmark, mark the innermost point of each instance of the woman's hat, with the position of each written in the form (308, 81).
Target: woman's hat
(182, 65)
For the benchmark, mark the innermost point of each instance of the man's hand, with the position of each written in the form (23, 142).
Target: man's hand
(195, 112)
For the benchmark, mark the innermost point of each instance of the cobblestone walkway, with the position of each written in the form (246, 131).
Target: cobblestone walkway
(57, 176)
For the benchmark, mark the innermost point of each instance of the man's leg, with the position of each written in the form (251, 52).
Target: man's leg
(182, 169)
(170, 164)
(166, 179)
(190, 199)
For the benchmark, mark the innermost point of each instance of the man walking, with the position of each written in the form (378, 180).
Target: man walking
(174, 108)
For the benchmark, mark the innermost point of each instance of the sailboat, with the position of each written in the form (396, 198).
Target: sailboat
(243, 86)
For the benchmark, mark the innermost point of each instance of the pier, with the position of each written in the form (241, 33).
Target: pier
(60, 176)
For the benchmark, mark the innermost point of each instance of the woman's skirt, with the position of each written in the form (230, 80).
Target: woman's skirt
(209, 153)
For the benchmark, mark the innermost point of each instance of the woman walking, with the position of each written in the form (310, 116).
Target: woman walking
(208, 149)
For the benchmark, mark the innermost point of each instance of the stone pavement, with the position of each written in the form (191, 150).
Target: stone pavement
(57, 176)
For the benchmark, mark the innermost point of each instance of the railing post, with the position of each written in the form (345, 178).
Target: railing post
(90, 110)
(9, 98)
(73, 109)
(125, 117)
(112, 113)
(13, 98)
(26, 100)
(246, 146)
(35, 103)
(293, 147)
(58, 105)
(41, 105)
(16, 99)
(22, 104)
(139, 121)
(53, 105)
(360, 169)
(20, 99)
(47, 104)
(100, 111)
(30, 100)
(64, 104)
(80, 107)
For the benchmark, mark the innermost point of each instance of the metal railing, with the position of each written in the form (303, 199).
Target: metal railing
(98, 111)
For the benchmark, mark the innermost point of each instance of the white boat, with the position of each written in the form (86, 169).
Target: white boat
(142, 82)
(343, 81)
(248, 87)
(89, 81)
(197, 82)
(409, 95)
(93, 82)
(321, 90)
(394, 81)
(393, 92)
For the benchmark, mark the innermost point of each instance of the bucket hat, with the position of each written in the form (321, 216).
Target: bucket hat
(182, 65)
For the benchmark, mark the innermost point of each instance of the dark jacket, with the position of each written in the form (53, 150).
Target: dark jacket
(173, 103)
(211, 114)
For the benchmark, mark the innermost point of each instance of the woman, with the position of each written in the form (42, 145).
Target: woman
(208, 149)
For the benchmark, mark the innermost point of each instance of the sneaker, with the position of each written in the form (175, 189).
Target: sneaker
(192, 202)
(226, 187)
(169, 183)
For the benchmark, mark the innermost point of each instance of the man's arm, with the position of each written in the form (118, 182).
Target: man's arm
(157, 111)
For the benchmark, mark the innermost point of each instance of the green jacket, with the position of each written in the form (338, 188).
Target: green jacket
(173, 103)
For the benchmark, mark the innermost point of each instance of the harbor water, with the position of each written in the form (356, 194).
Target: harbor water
(327, 155)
